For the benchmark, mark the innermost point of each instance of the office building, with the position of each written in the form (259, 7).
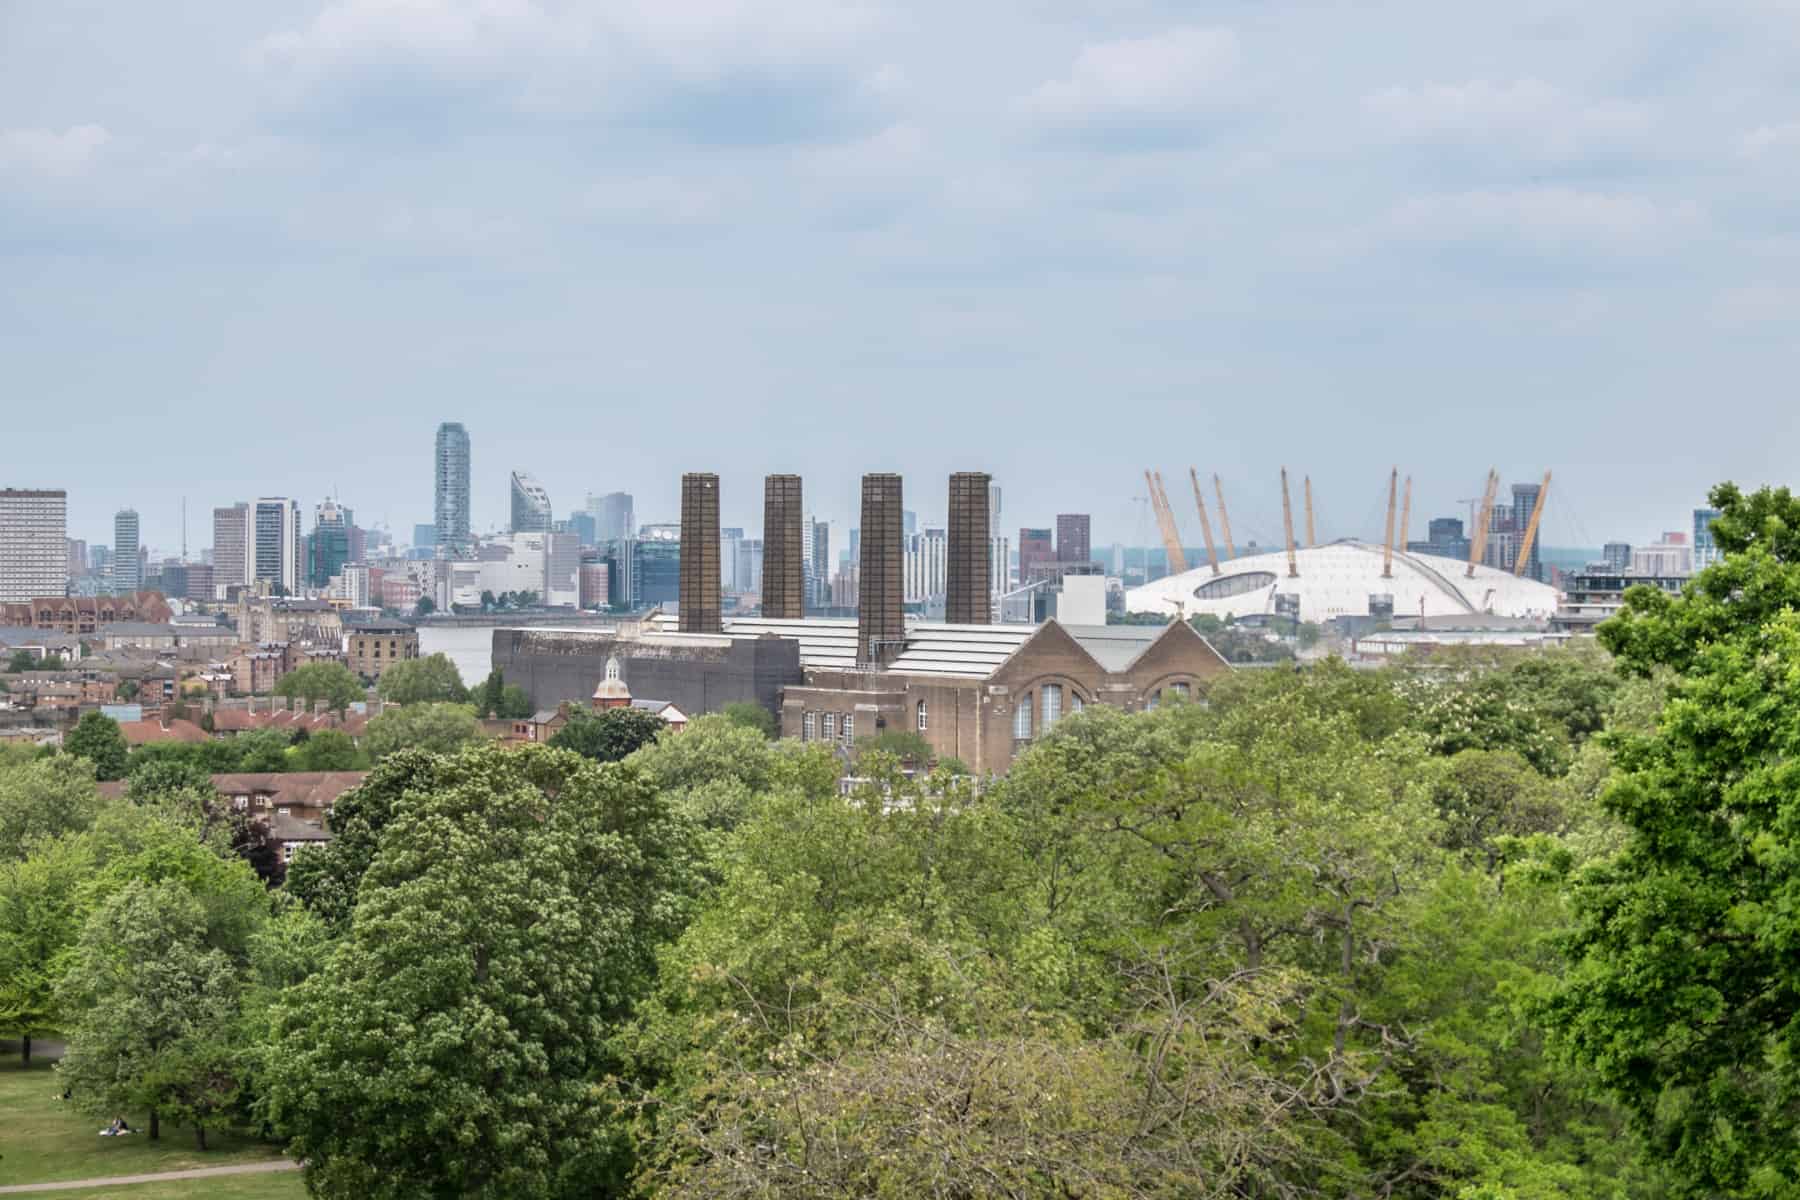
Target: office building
(562, 568)
(329, 549)
(729, 540)
(927, 569)
(1617, 556)
(1670, 558)
(1036, 548)
(78, 554)
(231, 548)
(451, 512)
(1525, 498)
(530, 505)
(655, 576)
(34, 550)
(275, 556)
(816, 558)
(1706, 551)
(127, 566)
(1074, 538)
(614, 517)
(424, 537)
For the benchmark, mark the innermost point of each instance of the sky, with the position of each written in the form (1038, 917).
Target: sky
(253, 248)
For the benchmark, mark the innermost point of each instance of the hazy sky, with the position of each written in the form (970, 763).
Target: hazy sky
(256, 248)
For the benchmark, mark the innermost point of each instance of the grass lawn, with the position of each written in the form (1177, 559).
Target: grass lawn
(282, 1185)
(44, 1139)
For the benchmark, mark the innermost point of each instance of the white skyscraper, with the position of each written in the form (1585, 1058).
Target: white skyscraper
(231, 548)
(275, 543)
(34, 546)
(127, 570)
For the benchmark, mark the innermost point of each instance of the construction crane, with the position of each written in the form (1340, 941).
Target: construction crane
(1224, 520)
(1387, 549)
(1479, 536)
(1287, 525)
(1312, 535)
(1406, 514)
(1165, 522)
(1212, 555)
(1537, 514)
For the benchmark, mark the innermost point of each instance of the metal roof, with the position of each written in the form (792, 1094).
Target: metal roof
(1115, 647)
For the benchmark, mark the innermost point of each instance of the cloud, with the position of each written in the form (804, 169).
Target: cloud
(46, 152)
(1544, 219)
(1527, 117)
(1158, 86)
(1770, 140)
(657, 200)
(696, 60)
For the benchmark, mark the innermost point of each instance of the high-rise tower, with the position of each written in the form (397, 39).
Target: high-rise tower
(530, 505)
(34, 547)
(452, 481)
(127, 572)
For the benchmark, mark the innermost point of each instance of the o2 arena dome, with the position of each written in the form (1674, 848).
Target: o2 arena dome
(1344, 579)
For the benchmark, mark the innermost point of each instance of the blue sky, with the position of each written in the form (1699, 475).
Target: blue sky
(254, 248)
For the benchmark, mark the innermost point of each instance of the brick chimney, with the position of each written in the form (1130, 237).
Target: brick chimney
(968, 587)
(699, 583)
(784, 579)
(880, 625)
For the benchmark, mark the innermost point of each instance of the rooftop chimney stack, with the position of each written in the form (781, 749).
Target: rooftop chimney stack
(699, 554)
(968, 587)
(880, 626)
(784, 579)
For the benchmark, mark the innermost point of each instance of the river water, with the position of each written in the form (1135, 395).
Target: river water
(471, 648)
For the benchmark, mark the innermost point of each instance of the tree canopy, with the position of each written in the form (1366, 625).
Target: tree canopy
(437, 727)
(96, 737)
(428, 680)
(610, 735)
(331, 682)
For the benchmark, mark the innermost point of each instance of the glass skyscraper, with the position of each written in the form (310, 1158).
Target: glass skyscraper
(452, 480)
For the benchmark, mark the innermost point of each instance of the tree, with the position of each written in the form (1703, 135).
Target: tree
(326, 878)
(487, 601)
(40, 918)
(753, 716)
(44, 799)
(261, 750)
(331, 682)
(425, 607)
(492, 689)
(610, 735)
(428, 680)
(96, 737)
(127, 690)
(157, 778)
(909, 747)
(440, 728)
(1683, 997)
(515, 703)
(21, 662)
(155, 1009)
(326, 750)
(510, 916)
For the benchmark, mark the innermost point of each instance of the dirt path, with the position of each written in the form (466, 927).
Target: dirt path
(69, 1185)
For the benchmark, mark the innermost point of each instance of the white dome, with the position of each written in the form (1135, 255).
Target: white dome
(1338, 580)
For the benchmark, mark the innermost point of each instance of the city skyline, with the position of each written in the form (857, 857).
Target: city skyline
(780, 237)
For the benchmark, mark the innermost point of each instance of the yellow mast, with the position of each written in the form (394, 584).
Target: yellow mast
(1406, 514)
(1287, 524)
(1212, 555)
(1312, 535)
(1478, 538)
(1537, 514)
(1165, 521)
(1387, 549)
(1224, 520)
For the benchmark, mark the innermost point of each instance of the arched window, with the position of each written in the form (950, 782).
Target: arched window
(921, 708)
(1075, 704)
(1022, 719)
(1180, 691)
(1052, 701)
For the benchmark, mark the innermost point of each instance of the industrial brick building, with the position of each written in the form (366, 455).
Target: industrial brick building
(975, 691)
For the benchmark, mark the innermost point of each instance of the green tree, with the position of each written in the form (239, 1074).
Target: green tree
(96, 737)
(491, 690)
(21, 662)
(326, 750)
(428, 680)
(262, 750)
(156, 778)
(608, 736)
(326, 878)
(425, 607)
(515, 703)
(753, 716)
(127, 690)
(510, 915)
(155, 1007)
(1683, 996)
(40, 918)
(714, 773)
(43, 799)
(440, 728)
(909, 747)
(331, 682)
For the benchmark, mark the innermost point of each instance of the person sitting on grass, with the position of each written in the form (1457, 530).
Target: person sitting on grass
(117, 1128)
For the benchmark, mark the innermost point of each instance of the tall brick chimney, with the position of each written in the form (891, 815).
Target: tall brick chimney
(699, 585)
(880, 625)
(968, 575)
(784, 578)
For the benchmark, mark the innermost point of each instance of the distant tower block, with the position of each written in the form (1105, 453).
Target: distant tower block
(880, 626)
(784, 579)
(699, 582)
(968, 592)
